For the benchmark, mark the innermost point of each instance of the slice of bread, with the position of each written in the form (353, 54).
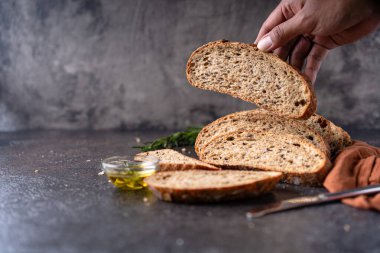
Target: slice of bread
(210, 186)
(299, 160)
(173, 160)
(335, 136)
(243, 71)
(260, 121)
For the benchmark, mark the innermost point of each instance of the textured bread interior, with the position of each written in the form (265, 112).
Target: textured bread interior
(260, 121)
(203, 179)
(275, 152)
(335, 136)
(243, 71)
(173, 160)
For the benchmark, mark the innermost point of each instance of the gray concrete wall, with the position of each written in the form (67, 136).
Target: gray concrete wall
(101, 64)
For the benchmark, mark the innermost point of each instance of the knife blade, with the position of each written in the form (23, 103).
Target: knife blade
(310, 200)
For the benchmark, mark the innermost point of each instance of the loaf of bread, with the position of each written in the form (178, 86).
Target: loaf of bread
(172, 160)
(284, 139)
(260, 121)
(300, 161)
(243, 71)
(210, 186)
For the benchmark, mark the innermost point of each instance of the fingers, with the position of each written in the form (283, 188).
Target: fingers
(282, 33)
(314, 61)
(274, 19)
(300, 52)
(284, 51)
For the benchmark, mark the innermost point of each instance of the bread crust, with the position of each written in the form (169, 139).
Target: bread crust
(305, 114)
(214, 194)
(185, 166)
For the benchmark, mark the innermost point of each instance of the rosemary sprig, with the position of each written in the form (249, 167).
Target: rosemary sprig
(179, 139)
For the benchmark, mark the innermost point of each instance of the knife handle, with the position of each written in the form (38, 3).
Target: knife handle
(371, 189)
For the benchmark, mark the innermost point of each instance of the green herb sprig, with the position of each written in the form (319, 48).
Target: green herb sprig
(179, 139)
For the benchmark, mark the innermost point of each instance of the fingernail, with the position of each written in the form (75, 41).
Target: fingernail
(265, 43)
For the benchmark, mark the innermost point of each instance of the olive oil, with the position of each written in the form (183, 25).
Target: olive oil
(128, 174)
(130, 180)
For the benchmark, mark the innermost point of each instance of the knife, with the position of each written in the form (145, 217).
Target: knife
(310, 200)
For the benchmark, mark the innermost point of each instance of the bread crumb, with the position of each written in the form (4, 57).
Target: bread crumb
(101, 173)
(183, 150)
(179, 241)
(35, 171)
(346, 228)
(88, 160)
(138, 140)
(145, 199)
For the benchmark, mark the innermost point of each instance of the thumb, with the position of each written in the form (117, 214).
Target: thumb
(282, 34)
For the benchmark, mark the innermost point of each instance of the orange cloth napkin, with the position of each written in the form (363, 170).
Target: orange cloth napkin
(356, 166)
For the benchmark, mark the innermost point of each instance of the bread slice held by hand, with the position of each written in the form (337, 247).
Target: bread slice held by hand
(299, 161)
(243, 71)
(210, 186)
(173, 160)
(260, 121)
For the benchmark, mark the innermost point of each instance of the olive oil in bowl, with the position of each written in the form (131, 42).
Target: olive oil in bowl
(128, 174)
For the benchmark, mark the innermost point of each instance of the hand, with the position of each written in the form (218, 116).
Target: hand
(303, 31)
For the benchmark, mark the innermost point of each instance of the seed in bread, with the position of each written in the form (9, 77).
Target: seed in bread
(299, 160)
(172, 160)
(243, 71)
(211, 186)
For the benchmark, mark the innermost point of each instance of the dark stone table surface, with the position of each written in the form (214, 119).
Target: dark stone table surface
(53, 200)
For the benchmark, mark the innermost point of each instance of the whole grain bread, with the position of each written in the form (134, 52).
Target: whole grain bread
(259, 121)
(243, 71)
(210, 186)
(172, 160)
(335, 136)
(299, 160)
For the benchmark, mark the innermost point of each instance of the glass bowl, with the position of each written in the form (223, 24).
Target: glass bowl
(128, 174)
